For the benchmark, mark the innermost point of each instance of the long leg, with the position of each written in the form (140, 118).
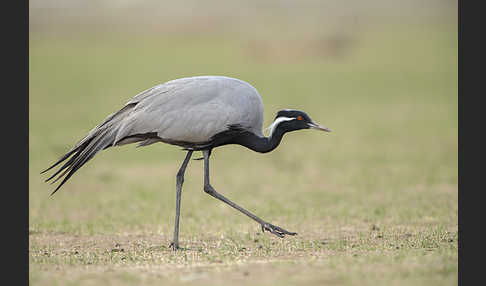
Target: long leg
(211, 191)
(179, 182)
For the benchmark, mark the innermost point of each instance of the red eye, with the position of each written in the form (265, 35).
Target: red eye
(299, 117)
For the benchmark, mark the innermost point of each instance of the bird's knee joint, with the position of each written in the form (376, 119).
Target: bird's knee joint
(208, 189)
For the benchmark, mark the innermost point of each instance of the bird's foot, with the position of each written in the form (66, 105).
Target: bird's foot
(175, 247)
(278, 231)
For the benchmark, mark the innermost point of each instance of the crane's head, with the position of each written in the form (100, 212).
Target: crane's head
(291, 120)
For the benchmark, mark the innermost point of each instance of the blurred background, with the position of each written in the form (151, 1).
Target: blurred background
(381, 74)
(376, 197)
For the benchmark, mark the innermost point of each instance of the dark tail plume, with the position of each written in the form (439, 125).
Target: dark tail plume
(100, 138)
(80, 156)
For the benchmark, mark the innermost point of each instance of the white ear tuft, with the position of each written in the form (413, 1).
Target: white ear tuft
(277, 121)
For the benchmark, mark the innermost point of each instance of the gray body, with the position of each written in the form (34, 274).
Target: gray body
(192, 109)
(187, 112)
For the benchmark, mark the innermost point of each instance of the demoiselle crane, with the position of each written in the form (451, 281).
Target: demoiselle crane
(198, 114)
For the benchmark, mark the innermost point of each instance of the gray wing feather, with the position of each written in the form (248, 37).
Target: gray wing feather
(194, 109)
(188, 109)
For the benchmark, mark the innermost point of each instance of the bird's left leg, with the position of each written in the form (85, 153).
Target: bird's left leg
(179, 182)
(211, 191)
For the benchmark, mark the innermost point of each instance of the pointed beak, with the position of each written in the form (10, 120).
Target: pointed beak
(316, 126)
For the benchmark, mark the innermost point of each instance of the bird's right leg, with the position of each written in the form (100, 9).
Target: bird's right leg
(278, 231)
(179, 182)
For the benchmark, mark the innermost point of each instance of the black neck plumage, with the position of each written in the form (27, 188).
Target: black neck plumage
(258, 143)
(237, 135)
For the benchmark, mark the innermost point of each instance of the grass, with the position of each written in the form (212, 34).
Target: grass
(373, 203)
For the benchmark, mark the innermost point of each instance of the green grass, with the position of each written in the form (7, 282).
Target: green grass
(373, 203)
